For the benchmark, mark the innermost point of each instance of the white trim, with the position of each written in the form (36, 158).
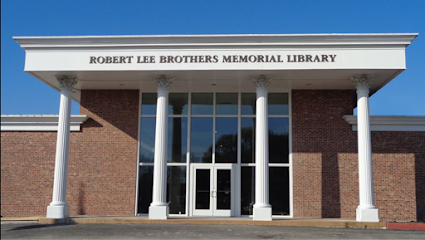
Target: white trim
(234, 40)
(139, 121)
(38, 123)
(291, 178)
(237, 173)
(214, 118)
(391, 123)
(188, 170)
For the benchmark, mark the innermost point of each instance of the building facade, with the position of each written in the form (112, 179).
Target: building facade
(220, 125)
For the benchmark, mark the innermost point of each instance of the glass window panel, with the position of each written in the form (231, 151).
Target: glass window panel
(248, 190)
(202, 103)
(226, 104)
(145, 188)
(248, 140)
(177, 103)
(279, 190)
(278, 104)
(148, 103)
(147, 139)
(176, 189)
(224, 189)
(201, 140)
(202, 195)
(226, 140)
(248, 103)
(177, 139)
(278, 140)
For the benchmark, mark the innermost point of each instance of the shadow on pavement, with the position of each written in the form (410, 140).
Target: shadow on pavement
(35, 226)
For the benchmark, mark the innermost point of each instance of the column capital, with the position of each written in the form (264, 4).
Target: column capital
(163, 82)
(362, 81)
(66, 81)
(261, 81)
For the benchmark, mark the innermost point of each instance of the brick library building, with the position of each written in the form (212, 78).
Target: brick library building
(256, 126)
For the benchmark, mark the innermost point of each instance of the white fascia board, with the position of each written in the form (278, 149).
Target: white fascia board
(242, 40)
(351, 51)
(67, 60)
(38, 123)
(391, 123)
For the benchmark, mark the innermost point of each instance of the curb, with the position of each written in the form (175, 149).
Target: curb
(34, 218)
(242, 222)
(406, 226)
(294, 223)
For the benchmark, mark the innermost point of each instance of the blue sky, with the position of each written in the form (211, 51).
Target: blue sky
(23, 94)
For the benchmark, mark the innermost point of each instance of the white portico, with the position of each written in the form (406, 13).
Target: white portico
(224, 91)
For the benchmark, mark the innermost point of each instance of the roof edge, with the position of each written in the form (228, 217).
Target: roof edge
(391, 123)
(38, 123)
(216, 40)
(221, 35)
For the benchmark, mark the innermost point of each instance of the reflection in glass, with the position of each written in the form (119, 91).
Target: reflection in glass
(145, 188)
(147, 139)
(248, 140)
(176, 189)
(278, 140)
(177, 139)
(226, 104)
(202, 103)
(201, 140)
(177, 103)
(226, 140)
(247, 190)
(248, 103)
(149, 103)
(278, 104)
(202, 195)
(279, 190)
(223, 189)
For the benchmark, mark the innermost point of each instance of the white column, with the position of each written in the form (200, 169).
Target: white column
(262, 208)
(58, 208)
(159, 206)
(366, 211)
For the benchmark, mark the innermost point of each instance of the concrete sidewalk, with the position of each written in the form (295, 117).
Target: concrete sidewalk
(28, 230)
(330, 222)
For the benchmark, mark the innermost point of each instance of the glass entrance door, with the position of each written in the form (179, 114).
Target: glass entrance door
(213, 191)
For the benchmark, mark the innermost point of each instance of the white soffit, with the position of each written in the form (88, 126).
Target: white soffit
(38, 123)
(294, 61)
(391, 123)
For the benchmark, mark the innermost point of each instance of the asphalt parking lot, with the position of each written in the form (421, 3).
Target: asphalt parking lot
(33, 230)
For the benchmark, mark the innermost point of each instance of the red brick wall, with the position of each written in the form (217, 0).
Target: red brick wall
(319, 137)
(325, 170)
(399, 171)
(27, 163)
(102, 163)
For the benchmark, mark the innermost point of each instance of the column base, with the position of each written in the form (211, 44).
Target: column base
(158, 212)
(262, 213)
(57, 212)
(367, 215)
